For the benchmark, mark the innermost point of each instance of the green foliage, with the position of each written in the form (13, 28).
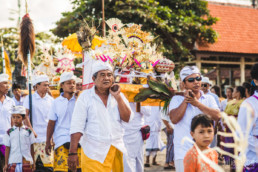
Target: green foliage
(156, 90)
(10, 37)
(177, 23)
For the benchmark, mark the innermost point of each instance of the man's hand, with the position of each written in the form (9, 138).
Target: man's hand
(190, 97)
(73, 162)
(115, 93)
(48, 148)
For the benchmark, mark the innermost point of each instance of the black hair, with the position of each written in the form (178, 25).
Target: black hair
(203, 120)
(247, 86)
(95, 75)
(254, 75)
(231, 89)
(23, 116)
(241, 90)
(217, 90)
(16, 86)
(61, 90)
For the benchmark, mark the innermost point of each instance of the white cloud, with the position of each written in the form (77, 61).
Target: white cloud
(44, 13)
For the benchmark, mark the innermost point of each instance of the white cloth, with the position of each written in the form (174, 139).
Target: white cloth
(179, 165)
(223, 105)
(4, 77)
(188, 70)
(249, 107)
(18, 167)
(182, 128)
(66, 76)
(153, 119)
(61, 112)
(134, 164)
(78, 80)
(206, 80)
(18, 110)
(19, 140)
(40, 78)
(20, 102)
(100, 65)
(87, 68)
(100, 125)
(133, 161)
(5, 116)
(40, 111)
(136, 123)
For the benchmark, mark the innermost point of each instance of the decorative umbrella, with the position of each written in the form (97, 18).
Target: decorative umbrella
(71, 43)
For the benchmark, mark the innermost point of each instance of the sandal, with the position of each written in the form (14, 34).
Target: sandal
(146, 165)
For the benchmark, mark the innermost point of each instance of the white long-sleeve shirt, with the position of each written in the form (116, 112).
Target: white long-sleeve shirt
(101, 126)
(250, 107)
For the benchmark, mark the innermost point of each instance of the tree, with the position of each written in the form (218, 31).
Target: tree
(178, 23)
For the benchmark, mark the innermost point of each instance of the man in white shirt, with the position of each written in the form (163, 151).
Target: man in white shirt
(134, 160)
(169, 130)
(184, 108)
(206, 89)
(248, 121)
(17, 97)
(41, 105)
(6, 103)
(97, 123)
(59, 123)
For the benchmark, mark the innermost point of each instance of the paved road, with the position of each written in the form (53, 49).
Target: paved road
(161, 157)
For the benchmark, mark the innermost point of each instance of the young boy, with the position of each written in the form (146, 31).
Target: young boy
(19, 144)
(202, 131)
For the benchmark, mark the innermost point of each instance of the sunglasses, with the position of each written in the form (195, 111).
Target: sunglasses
(198, 78)
(204, 85)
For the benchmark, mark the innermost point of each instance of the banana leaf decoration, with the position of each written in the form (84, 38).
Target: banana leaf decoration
(157, 90)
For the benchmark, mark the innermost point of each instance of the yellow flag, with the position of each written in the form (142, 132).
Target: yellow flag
(8, 65)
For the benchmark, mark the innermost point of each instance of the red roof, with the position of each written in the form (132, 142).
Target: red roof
(237, 28)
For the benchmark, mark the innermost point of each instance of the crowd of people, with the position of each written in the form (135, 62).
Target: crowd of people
(99, 130)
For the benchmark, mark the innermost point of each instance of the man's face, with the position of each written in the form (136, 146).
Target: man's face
(79, 86)
(43, 87)
(205, 87)
(17, 92)
(4, 87)
(229, 94)
(69, 86)
(104, 79)
(191, 82)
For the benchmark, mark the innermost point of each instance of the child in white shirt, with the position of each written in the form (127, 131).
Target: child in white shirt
(19, 154)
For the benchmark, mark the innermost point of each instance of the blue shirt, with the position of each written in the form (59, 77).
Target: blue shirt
(61, 112)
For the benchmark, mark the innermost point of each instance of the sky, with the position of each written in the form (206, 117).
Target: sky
(44, 13)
